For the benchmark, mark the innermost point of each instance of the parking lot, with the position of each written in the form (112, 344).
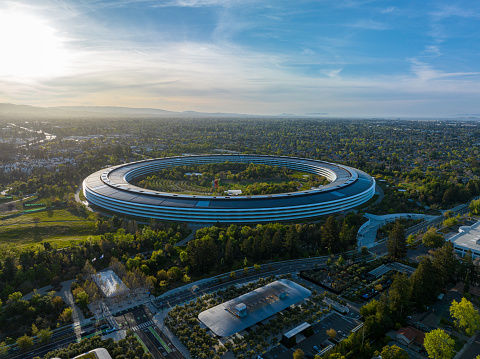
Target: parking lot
(342, 325)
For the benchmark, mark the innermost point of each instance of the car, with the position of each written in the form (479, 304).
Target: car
(309, 356)
(449, 328)
(316, 348)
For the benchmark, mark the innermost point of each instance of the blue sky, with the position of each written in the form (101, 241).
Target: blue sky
(343, 57)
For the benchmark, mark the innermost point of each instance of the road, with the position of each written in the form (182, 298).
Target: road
(140, 320)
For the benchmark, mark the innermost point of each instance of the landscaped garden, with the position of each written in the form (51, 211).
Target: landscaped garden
(352, 280)
(183, 322)
(215, 179)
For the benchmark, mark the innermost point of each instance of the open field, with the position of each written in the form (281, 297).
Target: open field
(19, 235)
(42, 216)
(57, 226)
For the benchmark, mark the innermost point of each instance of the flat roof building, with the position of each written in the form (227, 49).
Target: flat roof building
(248, 309)
(109, 283)
(467, 239)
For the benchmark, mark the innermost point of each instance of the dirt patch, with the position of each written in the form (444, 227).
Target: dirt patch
(7, 207)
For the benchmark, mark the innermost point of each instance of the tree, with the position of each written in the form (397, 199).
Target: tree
(66, 315)
(393, 352)
(438, 344)
(82, 299)
(331, 333)
(432, 239)
(475, 206)
(298, 354)
(399, 294)
(330, 234)
(445, 263)
(24, 342)
(466, 316)
(44, 335)
(397, 244)
(424, 283)
(3, 349)
(450, 222)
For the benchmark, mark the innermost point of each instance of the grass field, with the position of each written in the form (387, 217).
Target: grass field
(43, 216)
(58, 227)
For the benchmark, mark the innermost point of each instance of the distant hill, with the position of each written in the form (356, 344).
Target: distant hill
(116, 110)
(11, 110)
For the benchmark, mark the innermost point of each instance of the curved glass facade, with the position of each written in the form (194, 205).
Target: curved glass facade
(110, 189)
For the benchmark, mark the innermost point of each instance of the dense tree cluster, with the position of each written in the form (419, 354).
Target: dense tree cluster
(231, 246)
(40, 265)
(19, 316)
(405, 294)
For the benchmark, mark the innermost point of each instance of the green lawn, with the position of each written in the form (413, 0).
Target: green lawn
(43, 216)
(59, 227)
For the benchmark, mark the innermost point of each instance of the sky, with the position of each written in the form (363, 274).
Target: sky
(339, 57)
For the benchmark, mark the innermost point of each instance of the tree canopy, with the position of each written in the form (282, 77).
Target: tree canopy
(438, 344)
(466, 317)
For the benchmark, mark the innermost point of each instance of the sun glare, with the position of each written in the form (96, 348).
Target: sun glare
(30, 48)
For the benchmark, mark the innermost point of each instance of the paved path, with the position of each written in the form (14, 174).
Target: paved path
(41, 291)
(77, 315)
(368, 232)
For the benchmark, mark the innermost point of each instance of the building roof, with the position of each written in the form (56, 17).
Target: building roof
(261, 303)
(412, 334)
(109, 283)
(468, 238)
(99, 353)
(110, 188)
(298, 329)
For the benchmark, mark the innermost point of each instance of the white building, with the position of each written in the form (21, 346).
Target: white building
(467, 239)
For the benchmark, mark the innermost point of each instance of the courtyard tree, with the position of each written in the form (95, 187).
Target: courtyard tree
(332, 334)
(298, 354)
(438, 344)
(465, 315)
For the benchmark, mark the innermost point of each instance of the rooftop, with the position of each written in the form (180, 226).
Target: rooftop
(232, 317)
(468, 238)
(109, 283)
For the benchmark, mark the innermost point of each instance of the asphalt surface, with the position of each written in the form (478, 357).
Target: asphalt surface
(140, 320)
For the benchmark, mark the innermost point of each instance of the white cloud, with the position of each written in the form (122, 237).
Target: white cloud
(426, 72)
(432, 50)
(370, 25)
(388, 10)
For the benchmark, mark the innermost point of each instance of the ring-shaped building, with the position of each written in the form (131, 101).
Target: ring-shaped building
(110, 189)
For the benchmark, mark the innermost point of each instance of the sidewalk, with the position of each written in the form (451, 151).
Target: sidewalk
(77, 315)
(368, 231)
(42, 291)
